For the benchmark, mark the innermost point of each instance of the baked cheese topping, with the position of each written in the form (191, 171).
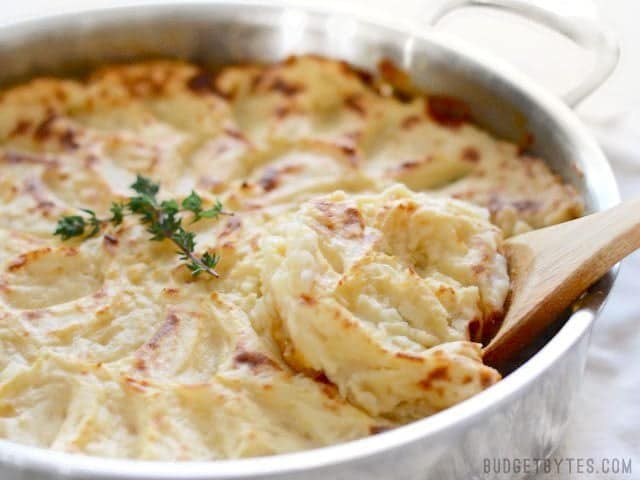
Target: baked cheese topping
(354, 281)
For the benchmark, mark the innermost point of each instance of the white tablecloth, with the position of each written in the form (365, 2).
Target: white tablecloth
(606, 418)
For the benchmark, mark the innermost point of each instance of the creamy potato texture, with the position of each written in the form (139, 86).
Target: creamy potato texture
(355, 281)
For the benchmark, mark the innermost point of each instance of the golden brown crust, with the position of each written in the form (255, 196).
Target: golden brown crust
(109, 347)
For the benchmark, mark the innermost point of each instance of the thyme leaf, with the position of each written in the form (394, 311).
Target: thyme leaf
(162, 218)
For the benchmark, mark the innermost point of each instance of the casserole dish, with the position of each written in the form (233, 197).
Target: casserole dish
(522, 416)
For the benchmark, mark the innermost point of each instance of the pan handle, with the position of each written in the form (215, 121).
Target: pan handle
(581, 31)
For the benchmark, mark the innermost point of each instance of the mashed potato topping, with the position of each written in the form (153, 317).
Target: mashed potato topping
(378, 292)
(354, 281)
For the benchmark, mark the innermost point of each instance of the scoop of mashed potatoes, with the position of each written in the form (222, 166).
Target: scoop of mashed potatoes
(379, 292)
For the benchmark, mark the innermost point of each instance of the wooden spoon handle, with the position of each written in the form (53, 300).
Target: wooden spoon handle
(550, 268)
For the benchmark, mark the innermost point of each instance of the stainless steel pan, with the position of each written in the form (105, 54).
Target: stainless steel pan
(522, 416)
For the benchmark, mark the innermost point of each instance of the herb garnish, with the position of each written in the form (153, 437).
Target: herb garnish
(161, 218)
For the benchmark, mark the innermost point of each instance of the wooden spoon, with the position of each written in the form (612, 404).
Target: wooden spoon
(551, 267)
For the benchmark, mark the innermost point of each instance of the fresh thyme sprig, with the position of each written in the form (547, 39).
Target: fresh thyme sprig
(162, 219)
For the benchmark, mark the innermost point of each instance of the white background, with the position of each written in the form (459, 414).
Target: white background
(606, 417)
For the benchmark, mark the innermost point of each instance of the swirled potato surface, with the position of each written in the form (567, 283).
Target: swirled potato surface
(361, 265)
